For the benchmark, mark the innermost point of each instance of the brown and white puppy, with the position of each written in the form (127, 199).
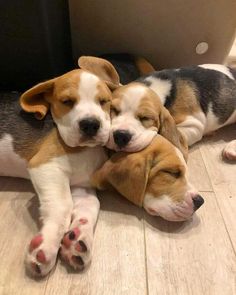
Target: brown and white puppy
(201, 99)
(59, 154)
(155, 178)
(137, 116)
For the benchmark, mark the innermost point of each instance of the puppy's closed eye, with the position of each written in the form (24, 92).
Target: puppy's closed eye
(173, 173)
(147, 121)
(114, 111)
(103, 101)
(68, 102)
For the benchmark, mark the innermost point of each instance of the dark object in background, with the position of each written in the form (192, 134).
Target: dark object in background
(125, 66)
(35, 42)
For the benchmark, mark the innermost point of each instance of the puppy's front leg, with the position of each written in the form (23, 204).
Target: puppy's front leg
(52, 186)
(76, 248)
(192, 129)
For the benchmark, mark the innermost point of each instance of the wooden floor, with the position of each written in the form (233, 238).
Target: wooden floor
(134, 253)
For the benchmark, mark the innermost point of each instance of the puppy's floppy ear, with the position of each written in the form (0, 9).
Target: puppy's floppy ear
(33, 100)
(127, 173)
(169, 130)
(102, 68)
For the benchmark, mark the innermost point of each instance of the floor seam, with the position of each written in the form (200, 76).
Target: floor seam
(145, 256)
(218, 205)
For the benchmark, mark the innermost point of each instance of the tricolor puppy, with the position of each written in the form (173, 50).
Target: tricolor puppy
(59, 153)
(137, 116)
(155, 178)
(201, 99)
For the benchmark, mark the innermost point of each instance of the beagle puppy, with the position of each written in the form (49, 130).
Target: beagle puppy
(59, 152)
(201, 99)
(155, 178)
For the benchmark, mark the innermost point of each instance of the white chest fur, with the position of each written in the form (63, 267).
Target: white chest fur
(77, 167)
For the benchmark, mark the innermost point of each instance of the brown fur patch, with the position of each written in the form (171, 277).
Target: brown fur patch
(104, 96)
(167, 176)
(186, 102)
(65, 89)
(143, 65)
(102, 68)
(50, 147)
(147, 170)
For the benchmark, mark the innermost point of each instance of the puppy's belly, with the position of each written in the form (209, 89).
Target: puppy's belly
(11, 164)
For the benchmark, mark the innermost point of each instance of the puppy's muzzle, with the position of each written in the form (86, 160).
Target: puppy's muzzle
(198, 201)
(89, 126)
(121, 138)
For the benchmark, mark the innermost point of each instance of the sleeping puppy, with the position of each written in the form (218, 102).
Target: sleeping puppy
(201, 99)
(137, 116)
(59, 153)
(155, 178)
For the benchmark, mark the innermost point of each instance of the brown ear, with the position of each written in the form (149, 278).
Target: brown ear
(143, 66)
(102, 68)
(127, 173)
(169, 130)
(33, 100)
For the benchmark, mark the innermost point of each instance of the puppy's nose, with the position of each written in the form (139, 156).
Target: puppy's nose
(198, 201)
(121, 137)
(89, 126)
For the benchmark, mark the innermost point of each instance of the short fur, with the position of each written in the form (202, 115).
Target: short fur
(201, 99)
(155, 178)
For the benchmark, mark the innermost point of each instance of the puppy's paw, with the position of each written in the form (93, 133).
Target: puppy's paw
(76, 244)
(41, 257)
(229, 151)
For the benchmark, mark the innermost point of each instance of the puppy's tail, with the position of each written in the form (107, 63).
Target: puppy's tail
(143, 65)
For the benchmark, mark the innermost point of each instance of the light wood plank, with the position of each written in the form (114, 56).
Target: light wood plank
(17, 227)
(118, 265)
(223, 176)
(195, 257)
(198, 175)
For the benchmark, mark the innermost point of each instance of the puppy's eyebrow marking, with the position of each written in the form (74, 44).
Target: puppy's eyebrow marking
(132, 98)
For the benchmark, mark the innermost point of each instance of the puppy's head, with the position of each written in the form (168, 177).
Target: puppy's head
(137, 115)
(79, 102)
(155, 178)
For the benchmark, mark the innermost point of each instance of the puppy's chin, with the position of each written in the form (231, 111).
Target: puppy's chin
(92, 142)
(138, 143)
(79, 140)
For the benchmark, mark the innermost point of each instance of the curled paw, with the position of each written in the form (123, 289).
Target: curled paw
(40, 257)
(229, 151)
(76, 247)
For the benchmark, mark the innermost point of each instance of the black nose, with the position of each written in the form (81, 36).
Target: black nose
(89, 126)
(198, 201)
(121, 137)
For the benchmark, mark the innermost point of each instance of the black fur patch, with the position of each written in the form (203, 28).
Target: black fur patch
(125, 66)
(22, 126)
(213, 88)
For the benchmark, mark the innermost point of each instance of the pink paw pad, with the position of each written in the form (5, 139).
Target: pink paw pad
(41, 257)
(80, 246)
(70, 236)
(35, 242)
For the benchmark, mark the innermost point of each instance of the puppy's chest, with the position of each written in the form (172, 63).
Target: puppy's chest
(82, 165)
